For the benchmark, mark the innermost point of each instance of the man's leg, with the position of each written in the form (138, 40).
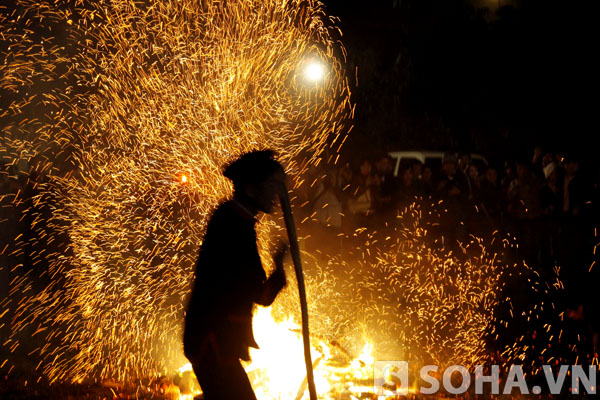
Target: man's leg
(224, 380)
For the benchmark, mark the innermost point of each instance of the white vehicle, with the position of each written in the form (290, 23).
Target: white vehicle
(432, 159)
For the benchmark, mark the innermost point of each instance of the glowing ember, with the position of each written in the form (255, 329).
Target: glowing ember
(314, 72)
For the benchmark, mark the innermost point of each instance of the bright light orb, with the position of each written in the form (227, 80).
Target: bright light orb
(314, 72)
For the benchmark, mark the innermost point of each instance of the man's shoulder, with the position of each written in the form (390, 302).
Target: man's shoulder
(223, 224)
(224, 211)
(231, 212)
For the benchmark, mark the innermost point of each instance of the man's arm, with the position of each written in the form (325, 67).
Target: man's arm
(276, 281)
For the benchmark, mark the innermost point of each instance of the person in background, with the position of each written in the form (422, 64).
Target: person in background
(327, 203)
(548, 159)
(551, 205)
(464, 165)
(453, 188)
(406, 189)
(505, 182)
(417, 170)
(426, 183)
(551, 192)
(464, 161)
(573, 190)
(474, 178)
(387, 185)
(361, 201)
(524, 195)
(537, 166)
(345, 177)
(453, 183)
(490, 197)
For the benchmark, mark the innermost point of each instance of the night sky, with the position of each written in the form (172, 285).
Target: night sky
(466, 75)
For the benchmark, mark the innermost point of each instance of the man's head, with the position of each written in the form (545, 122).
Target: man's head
(464, 161)
(257, 179)
(407, 176)
(473, 172)
(491, 175)
(448, 167)
(427, 174)
(366, 167)
(384, 165)
(417, 168)
(449, 164)
(547, 159)
(522, 169)
(509, 169)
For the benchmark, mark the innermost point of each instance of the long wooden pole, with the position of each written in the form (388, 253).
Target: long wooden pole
(295, 251)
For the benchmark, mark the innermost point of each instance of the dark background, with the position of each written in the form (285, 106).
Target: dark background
(496, 77)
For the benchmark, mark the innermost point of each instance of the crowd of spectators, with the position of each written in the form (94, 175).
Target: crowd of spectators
(547, 191)
(546, 204)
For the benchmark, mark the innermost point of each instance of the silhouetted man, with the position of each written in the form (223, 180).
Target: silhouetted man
(230, 279)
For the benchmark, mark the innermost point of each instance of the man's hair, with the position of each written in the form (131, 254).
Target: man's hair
(252, 168)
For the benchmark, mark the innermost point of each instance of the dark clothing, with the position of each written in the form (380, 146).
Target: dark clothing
(405, 195)
(387, 186)
(229, 280)
(574, 196)
(222, 380)
(454, 190)
(551, 201)
(491, 197)
(524, 192)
